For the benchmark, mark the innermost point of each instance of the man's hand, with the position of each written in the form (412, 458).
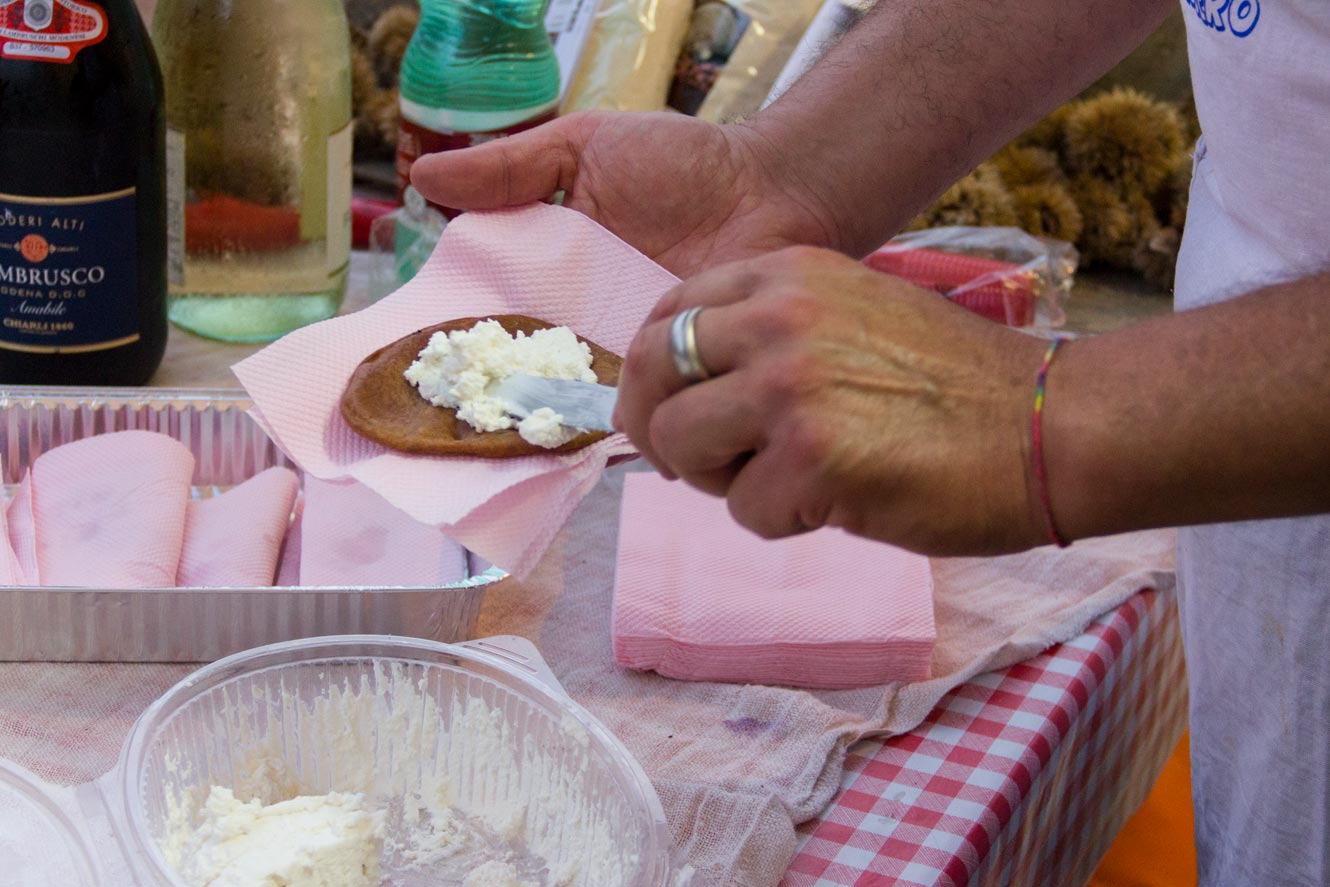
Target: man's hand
(842, 397)
(686, 193)
(845, 397)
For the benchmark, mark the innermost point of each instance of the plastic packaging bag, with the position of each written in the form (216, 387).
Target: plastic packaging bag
(1003, 274)
(832, 22)
(733, 53)
(570, 23)
(400, 242)
(628, 62)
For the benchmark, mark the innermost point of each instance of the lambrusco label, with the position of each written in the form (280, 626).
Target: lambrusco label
(49, 30)
(68, 272)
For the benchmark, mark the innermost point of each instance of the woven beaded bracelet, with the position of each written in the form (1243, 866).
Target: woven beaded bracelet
(1037, 445)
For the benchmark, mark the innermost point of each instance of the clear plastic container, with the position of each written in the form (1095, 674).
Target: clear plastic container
(531, 774)
(400, 242)
(41, 845)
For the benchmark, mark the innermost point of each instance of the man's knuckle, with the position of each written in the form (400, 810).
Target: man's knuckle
(776, 386)
(666, 306)
(785, 315)
(808, 439)
(749, 514)
(659, 428)
(637, 362)
(801, 256)
(802, 365)
(786, 379)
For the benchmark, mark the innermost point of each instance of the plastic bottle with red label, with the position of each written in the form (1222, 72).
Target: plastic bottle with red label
(82, 195)
(475, 70)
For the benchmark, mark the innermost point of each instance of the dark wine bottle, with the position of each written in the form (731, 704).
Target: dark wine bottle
(82, 195)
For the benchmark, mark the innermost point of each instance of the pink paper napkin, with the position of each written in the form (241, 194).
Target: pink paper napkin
(543, 261)
(19, 552)
(10, 572)
(698, 597)
(107, 511)
(233, 540)
(350, 535)
(288, 559)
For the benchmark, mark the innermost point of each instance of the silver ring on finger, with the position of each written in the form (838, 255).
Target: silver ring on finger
(683, 347)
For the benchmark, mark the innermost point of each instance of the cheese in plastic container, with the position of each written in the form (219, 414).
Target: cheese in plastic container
(370, 760)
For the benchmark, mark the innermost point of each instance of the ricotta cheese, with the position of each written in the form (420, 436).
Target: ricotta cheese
(495, 874)
(545, 428)
(331, 840)
(433, 786)
(456, 370)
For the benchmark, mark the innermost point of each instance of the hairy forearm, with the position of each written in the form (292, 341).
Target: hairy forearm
(923, 90)
(1217, 414)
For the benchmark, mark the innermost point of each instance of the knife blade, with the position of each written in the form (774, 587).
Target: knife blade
(582, 404)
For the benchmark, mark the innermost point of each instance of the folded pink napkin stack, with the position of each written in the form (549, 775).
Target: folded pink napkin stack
(542, 261)
(698, 597)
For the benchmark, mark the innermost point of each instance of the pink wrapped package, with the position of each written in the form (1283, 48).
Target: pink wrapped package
(698, 597)
(115, 511)
(350, 536)
(233, 540)
(106, 511)
(288, 559)
(543, 261)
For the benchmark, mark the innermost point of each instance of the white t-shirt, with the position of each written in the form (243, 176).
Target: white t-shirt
(1256, 596)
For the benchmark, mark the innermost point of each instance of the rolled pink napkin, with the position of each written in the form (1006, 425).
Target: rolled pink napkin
(20, 551)
(107, 511)
(235, 539)
(349, 535)
(10, 572)
(288, 560)
(542, 261)
(698, 597)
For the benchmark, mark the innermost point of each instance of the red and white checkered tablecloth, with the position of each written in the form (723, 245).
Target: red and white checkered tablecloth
(1020, 777)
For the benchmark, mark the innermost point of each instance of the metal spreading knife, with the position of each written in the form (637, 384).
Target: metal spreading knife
(582, 404)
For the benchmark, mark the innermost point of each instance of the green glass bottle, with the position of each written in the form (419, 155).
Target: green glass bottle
(258, 111)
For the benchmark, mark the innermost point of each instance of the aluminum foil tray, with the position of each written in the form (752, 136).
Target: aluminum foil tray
(192, 624)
